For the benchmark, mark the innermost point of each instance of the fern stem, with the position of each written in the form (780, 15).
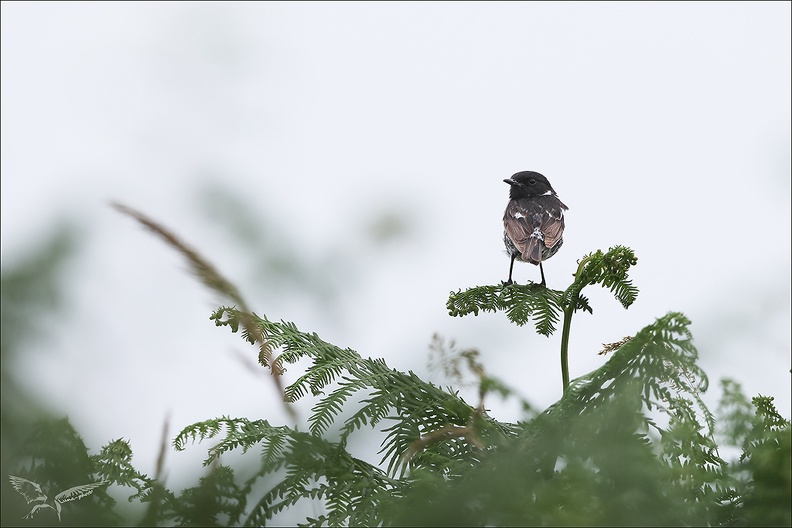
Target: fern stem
(568, 311)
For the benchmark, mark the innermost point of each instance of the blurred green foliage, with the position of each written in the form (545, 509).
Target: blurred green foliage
(631, 443)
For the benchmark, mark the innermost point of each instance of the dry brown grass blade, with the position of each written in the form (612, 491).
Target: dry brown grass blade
(210, 277)
(158, 494)
(202, 269)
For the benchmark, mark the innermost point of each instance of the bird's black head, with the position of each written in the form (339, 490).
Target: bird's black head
(528, 184)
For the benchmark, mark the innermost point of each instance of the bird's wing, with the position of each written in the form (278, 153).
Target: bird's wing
(28, 489)
(552, 227)
(518, 224)
(78, 492)
(38, 507)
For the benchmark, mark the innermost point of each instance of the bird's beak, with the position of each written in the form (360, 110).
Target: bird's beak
(510, 181)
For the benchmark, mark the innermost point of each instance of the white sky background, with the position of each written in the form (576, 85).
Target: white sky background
(664, 127)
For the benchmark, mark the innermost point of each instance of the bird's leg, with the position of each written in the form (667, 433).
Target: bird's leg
(542, 272)
(511, 267)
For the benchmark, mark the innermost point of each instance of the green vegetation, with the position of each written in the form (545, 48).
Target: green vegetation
(631, 443)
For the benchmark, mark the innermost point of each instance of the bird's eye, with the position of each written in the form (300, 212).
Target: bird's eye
(532, 181)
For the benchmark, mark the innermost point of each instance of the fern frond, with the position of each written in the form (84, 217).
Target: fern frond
(239, 433)
(423, 405)
(608, 269)
(543, 306)
(199, 431)
(660, 364)
(114, 463)
(217, 498)
(324, 412)
(318, 469)
(521, 303)
(327, 365)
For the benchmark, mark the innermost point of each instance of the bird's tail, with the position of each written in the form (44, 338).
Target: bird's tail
(533, 251)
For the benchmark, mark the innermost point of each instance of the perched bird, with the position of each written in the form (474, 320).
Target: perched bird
(32, 493)
(533, 224)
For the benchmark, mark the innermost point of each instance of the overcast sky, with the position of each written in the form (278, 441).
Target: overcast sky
(664, 127)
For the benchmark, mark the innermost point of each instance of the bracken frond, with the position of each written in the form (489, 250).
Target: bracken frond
(521, 303)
